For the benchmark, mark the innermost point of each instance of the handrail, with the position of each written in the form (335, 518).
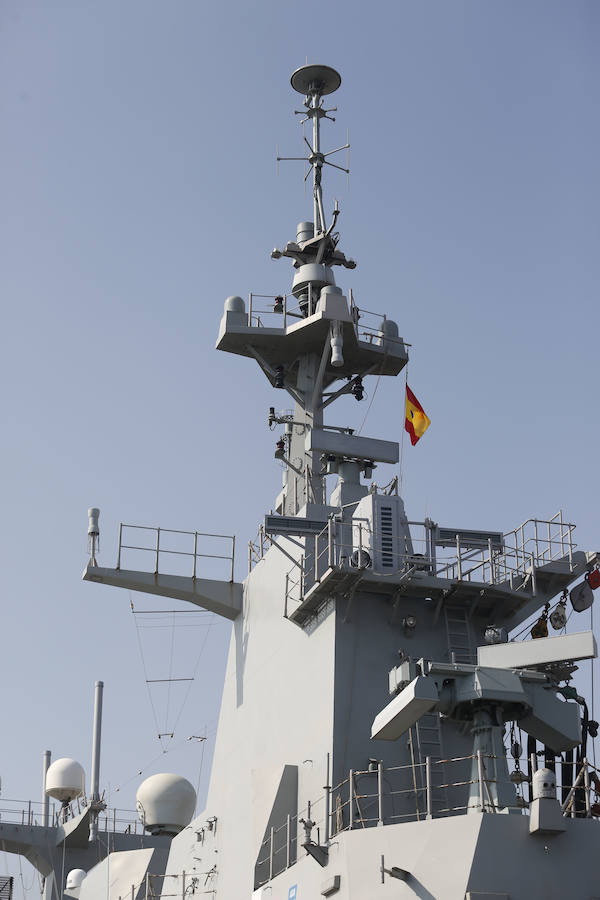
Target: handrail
(525, 550)
(193, 554)
(350, 806)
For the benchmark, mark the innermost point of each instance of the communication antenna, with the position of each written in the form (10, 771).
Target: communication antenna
(93, 533)
(315, 81)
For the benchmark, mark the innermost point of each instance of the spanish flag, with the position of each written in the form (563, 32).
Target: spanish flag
(416, 422)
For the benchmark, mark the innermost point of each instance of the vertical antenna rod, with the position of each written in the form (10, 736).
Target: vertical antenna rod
(96, 737)
(45, 798)
(315, 81)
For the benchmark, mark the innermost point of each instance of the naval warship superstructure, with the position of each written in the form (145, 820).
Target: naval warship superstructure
(380, 737)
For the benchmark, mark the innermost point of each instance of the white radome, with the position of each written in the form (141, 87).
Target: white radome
(75, 879)
(65, 780)
(165, 803)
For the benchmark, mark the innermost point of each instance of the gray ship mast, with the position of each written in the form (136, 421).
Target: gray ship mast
(370, 682)
(347, 603)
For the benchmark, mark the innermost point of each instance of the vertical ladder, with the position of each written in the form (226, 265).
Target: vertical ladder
(429, 742)
(458, 635)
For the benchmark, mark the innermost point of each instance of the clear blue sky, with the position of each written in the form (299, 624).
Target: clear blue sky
(139, 190)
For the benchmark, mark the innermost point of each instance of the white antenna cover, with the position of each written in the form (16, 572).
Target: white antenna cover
(65, 780)
(75, 879)
(93, 517)
(544, 784)
(165, 803)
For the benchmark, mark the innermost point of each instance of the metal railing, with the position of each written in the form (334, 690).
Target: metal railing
(384, 795)
(184, 885)
(286, 306)
(30, 812)
(170, 541)
(530, 546)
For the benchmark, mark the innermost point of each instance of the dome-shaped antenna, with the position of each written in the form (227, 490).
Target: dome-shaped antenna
(65, 780)
(165, 803)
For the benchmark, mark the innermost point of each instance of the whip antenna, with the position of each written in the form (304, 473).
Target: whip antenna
(315, 82)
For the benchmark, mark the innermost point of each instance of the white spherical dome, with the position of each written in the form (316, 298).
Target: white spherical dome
(65, 780)
(75, 879)
(165, 803)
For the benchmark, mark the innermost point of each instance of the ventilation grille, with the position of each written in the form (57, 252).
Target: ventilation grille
(386, 531)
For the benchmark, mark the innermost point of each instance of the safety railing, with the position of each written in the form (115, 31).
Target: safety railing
(276, 311)
(182, 885)
(435, 788)
(258, 547)
(525, 549)
(190, 553)
(28, 812)
(31, 812)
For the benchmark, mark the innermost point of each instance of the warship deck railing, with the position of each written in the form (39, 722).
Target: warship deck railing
(31, 813)
(525, 549)
(281, 310)
(187, 551)
(382, 795)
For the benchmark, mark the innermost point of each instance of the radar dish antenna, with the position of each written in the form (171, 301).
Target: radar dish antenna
(315, 81)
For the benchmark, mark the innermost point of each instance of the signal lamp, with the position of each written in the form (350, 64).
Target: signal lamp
(278, 376)
(357, 388)
(280, 449)
(278, 305)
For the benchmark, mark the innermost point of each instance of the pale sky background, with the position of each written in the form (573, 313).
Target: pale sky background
(138, 190)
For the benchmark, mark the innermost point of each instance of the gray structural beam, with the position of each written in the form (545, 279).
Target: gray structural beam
(221, 597)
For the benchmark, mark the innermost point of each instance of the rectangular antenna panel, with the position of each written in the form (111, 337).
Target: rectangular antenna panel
(540, 652)
(352, 446)
(294, 525)
(403, 711)
(469, 539)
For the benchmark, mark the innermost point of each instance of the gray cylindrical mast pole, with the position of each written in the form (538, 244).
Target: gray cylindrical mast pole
(317, 202)
(96, 738)
(45, 799)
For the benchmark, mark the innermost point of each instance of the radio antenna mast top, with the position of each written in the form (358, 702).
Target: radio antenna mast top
(315, 81)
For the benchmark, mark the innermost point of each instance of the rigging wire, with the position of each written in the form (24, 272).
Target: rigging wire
(169, 734)
(139, 640)
(204, 740)
(170, 676)
(148, 764)
(23, 887)
(197, 666)
(372, 397)
(402, 435)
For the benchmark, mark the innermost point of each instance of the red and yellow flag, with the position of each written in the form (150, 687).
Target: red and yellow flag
(416, 422)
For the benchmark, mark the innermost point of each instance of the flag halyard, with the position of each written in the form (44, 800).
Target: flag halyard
(416, 421)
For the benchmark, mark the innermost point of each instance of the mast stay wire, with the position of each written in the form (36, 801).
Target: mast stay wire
(170, 675)
(401, 467)
(139, 641)
(170, 734)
